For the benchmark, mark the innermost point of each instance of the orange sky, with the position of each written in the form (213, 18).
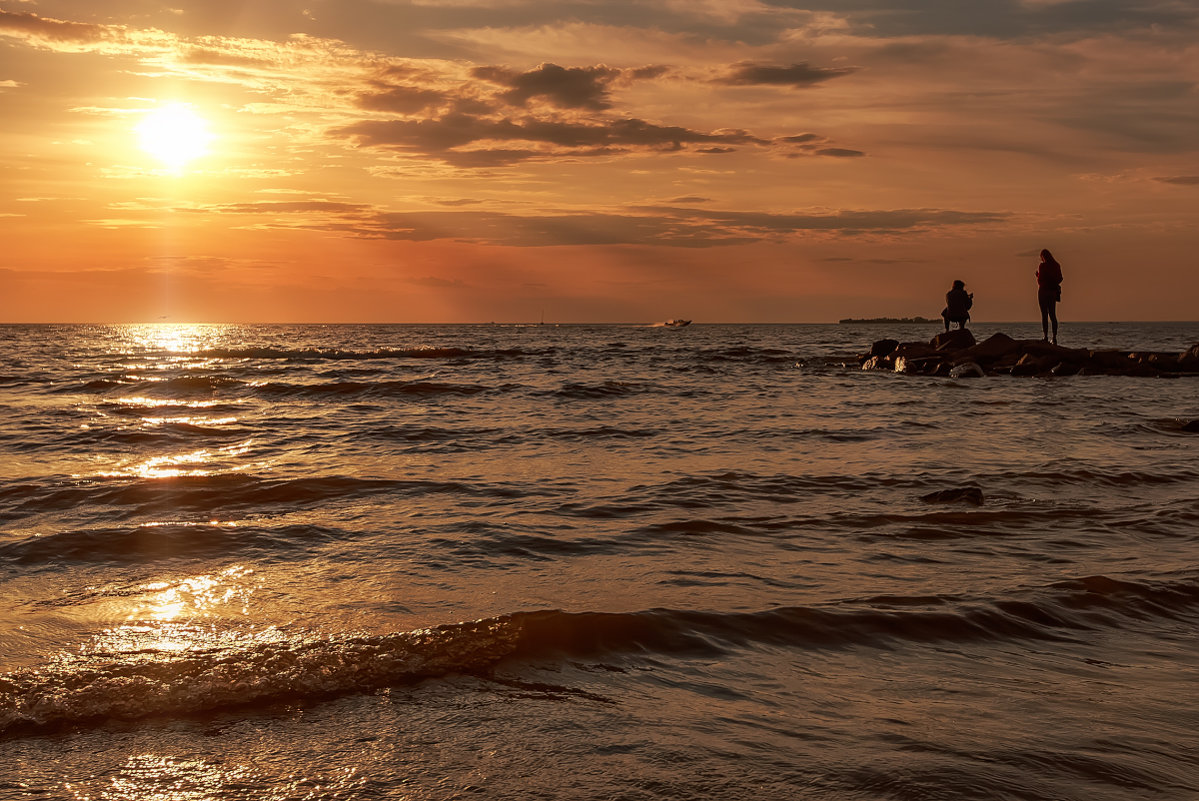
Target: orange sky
(477, 160)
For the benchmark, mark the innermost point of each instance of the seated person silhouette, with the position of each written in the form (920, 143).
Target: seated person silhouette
(957, 305)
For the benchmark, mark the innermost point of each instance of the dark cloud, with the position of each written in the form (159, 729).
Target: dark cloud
(53, 30)
(1181, 180)
(691, 199)
(1002, 19)
(763, 223)
(803, 138)
(451, 137)
(801, 74)
(810, 144)
(839, 152)
(564, 87)
(667, 226)
(400, 99)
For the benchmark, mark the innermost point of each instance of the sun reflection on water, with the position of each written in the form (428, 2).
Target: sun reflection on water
(172, 337)
(188, 614)
(156, 777)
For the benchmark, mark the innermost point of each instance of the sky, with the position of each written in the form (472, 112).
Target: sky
(595, 160)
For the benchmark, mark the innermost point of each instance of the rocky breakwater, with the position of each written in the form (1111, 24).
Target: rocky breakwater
(957, 354)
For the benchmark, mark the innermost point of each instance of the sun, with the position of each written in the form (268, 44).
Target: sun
(174, 134)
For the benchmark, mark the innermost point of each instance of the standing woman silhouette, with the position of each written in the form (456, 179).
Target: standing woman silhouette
(1049, 292)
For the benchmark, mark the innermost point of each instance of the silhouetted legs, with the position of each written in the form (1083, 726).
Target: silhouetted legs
(1048, 314)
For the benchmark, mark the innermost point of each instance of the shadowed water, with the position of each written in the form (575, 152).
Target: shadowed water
(589, 562)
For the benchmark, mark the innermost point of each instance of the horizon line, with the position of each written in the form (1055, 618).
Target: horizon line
(649, 324)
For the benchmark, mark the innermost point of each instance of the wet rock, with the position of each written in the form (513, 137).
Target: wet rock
(968, 495)
(914, 350)
(876, 363)
(1107, 360)
(958, 339)
(884, 347)
(993, 348)
(1163, 362)
(967, 370)
(1191, 427)
(1189, 361)
(1034, 364)
(955, 353)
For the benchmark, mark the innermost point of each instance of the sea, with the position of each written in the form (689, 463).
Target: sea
(590, 562)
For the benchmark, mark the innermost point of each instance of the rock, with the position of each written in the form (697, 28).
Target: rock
(876, 363)
(916, 364)
(970, 495)
(955, 353)
(993, 348)
(1162, 362)
(1033, 364)
(1107, 360)
(967, 370)
(1189, 360)
(1191, 427)
(958, 339)
(914, 350)
(884, 347)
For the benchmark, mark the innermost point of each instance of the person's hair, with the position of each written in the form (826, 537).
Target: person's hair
(1047, 257)
(959, 284)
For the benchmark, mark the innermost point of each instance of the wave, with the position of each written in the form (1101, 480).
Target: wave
(100, 686)
(163, 541)
(368, 389)
(337, 354)
(599, 391)
(125, 499)
(183, 388)
(746, 354)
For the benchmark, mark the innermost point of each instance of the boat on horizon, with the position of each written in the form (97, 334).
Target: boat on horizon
(676, 323)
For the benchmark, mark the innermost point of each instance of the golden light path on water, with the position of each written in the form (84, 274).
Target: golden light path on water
(192, 613)
(154, 777)
(175, 346)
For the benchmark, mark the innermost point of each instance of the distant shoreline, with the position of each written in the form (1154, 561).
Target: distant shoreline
(914, 320)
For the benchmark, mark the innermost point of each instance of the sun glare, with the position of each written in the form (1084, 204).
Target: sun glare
(174, 134)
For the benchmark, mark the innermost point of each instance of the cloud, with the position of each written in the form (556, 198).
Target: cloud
(330, 93)
(1181, 180)
(400, 99)
(803, 138)
(801, 74)
(839, 152)
(471, 141)
(30, 26)
(284, 207)
(564, 87)
(810, 144)
(668, 226)
(76, 37)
